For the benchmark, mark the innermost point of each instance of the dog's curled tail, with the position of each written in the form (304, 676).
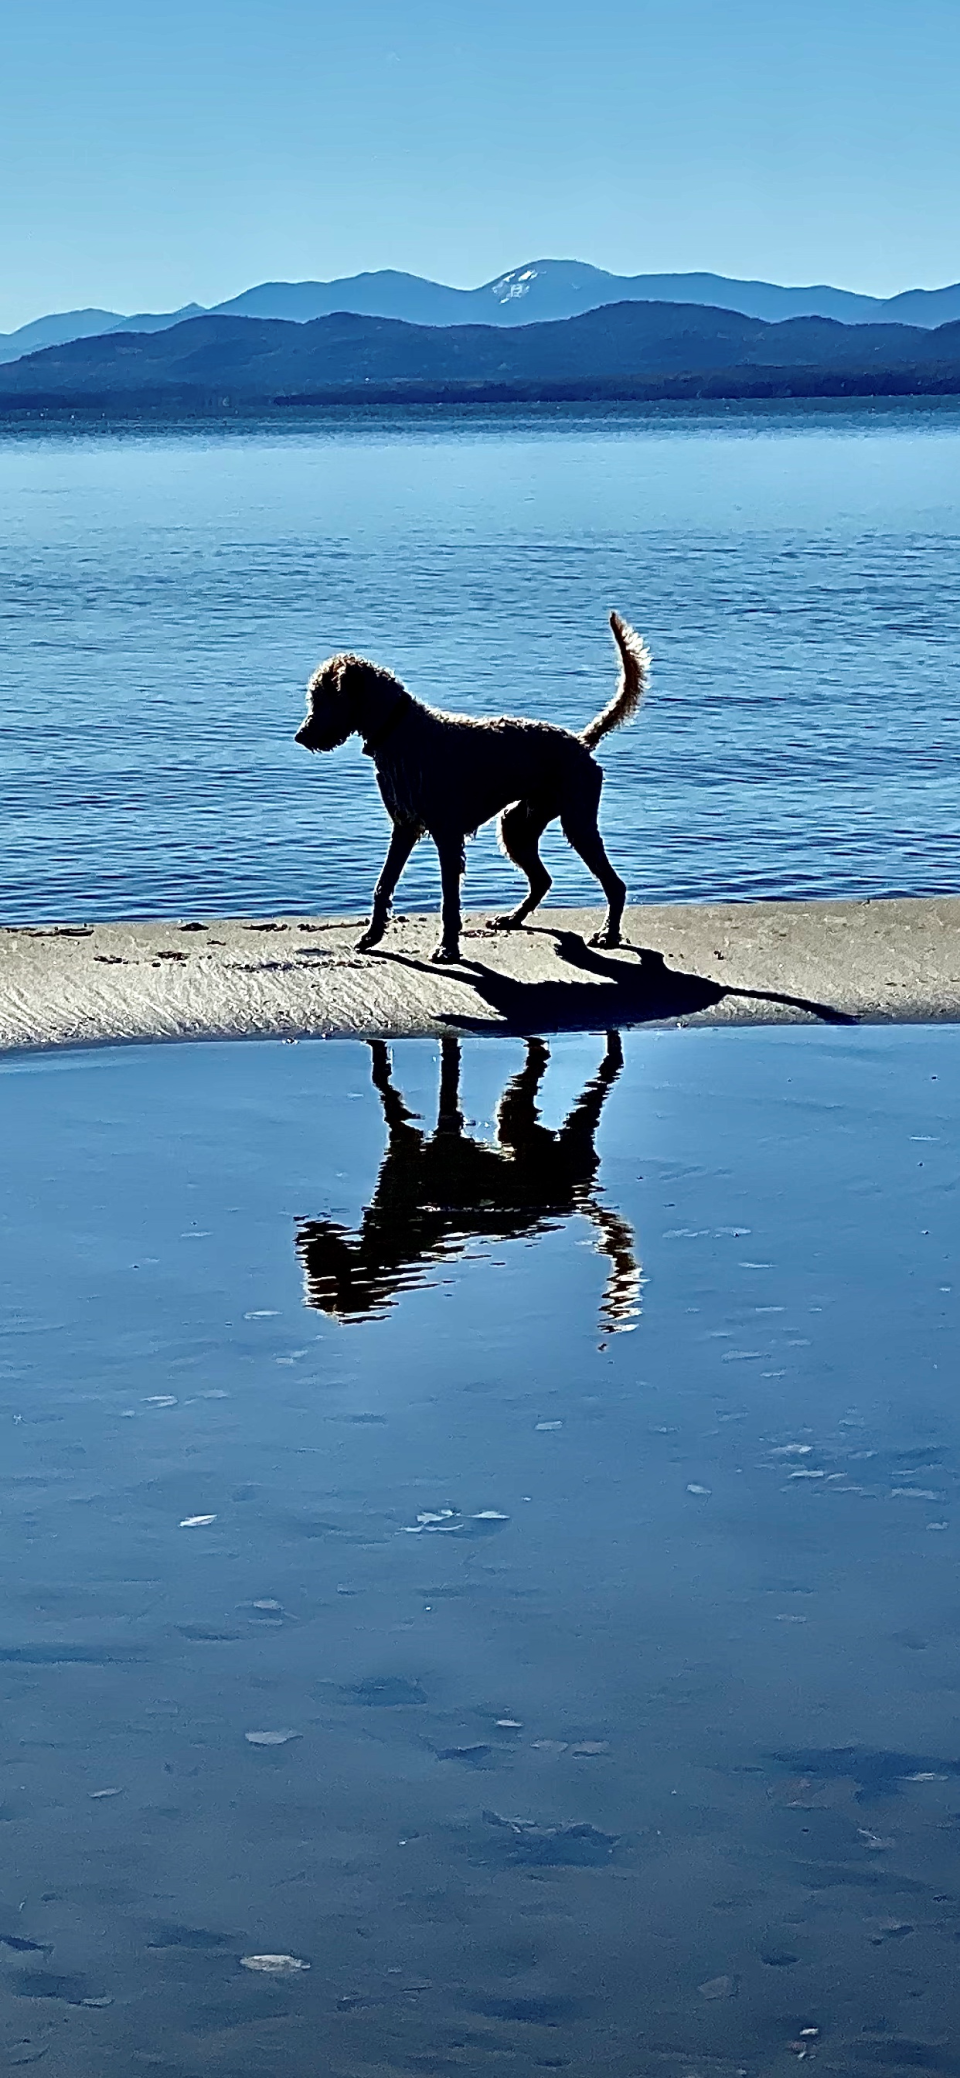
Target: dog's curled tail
(635, 661)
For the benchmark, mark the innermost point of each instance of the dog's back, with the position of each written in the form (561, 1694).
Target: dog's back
(444, 767)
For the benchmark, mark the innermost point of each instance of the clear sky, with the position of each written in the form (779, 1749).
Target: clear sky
(154, 152)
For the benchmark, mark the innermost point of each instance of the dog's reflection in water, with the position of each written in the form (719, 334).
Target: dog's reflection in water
(438, 1191)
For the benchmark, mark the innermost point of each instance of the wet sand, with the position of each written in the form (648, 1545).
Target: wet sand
(609, 1678)
(895, 961)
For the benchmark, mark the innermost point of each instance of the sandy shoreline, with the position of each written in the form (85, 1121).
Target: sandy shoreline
(734, 963)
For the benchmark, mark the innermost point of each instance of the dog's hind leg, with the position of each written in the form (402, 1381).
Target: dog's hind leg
(401, 845)
(521, 828)
(578, 820)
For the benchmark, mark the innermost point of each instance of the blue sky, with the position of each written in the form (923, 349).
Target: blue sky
(152, 154)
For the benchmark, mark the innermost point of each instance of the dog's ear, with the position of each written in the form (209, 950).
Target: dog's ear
(328, 678)
(337, 676)
(325, 678)
(346, 677)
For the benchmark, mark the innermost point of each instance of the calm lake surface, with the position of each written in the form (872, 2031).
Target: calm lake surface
(511, 1571)
(165, 594)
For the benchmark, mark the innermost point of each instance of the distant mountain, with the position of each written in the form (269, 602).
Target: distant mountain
(386, 294)
(537, 293)
(236, 360)
(85, 324)
(53, 331)
(548, 289)
(156, 321)
(564, 288)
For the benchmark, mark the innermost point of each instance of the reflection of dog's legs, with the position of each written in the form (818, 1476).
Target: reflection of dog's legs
(621, 1299)
(395, 1112)
(615, 1236)
(449, 1114)
(584, 1118)
(517, 1113)
(612, 1061)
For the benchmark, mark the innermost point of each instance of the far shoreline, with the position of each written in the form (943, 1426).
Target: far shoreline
(687, 396)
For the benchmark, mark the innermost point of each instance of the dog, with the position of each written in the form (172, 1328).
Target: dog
(443, 775)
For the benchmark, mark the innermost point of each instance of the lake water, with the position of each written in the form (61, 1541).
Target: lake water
(510, 1571)
(165, 594)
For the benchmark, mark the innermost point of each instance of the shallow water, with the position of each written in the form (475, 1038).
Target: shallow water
(165, 594)
(588, 1511)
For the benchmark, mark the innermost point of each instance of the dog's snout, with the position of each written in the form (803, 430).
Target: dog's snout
(303, 735)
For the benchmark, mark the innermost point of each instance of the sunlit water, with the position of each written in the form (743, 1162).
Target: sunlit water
(572, 1504)
(164, 596)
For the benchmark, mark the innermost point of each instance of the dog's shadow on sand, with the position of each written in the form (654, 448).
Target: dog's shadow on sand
(641, 989)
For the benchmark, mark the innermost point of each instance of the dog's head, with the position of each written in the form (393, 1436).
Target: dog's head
(332, 703)
(336, 1277)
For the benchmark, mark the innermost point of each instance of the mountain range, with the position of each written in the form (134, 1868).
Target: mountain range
(617, 350)
(537, 293)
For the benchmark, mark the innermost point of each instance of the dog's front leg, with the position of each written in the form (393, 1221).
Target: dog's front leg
(401, 845)
(450, 852)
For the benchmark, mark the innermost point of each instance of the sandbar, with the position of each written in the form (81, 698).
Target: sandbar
(873, 961)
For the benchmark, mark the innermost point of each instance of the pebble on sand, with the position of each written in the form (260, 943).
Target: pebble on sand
(274, 1965)
(719, 1988)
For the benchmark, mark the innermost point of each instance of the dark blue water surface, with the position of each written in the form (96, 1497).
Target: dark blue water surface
(574, 1503)
(165, 594)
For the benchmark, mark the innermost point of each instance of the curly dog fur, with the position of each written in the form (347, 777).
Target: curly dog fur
(442, 775)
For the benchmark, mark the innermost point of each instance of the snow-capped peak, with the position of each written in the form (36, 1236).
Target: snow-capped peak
(516, 283)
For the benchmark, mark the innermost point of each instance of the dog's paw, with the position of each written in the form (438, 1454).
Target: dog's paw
(606, 940)
(367, 942)
(446, 956)
(505, 923)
